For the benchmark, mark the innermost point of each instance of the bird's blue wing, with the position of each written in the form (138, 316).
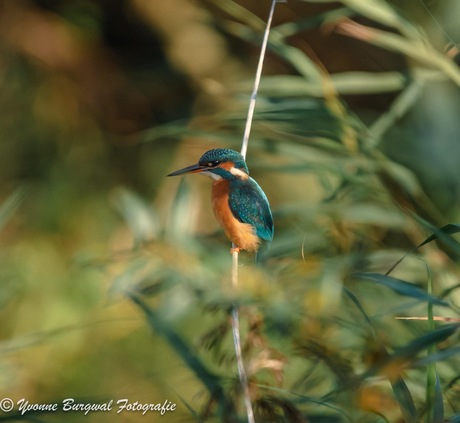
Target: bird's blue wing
(249, 204)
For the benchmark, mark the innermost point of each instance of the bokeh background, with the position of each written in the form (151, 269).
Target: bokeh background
(115, 279)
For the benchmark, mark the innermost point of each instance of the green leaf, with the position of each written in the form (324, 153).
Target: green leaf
(355, 300)
(345, 83)
(423, 342)
(443, 235)
(138, 215)
(401, 287)
(405, 401)
(437, 356)
(291, 28)
(383, 13)
(438, 411)
(194, 363)
(449, 229)
(438, 233)
(413, 348)
(10, 205)
(412, 46)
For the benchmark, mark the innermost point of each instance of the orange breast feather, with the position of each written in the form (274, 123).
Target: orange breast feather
(241, 234)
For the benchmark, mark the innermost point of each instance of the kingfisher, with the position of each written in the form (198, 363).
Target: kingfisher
(238, 202)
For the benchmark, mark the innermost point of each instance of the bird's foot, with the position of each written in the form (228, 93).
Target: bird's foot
(234, 250)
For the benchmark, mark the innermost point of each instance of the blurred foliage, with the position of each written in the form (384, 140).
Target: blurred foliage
(116, 280)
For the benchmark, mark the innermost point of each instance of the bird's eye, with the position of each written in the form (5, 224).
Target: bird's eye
(213, 164)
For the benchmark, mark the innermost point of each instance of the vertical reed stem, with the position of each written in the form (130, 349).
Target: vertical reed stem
(235, 317)
(237, 343)
(260, 65)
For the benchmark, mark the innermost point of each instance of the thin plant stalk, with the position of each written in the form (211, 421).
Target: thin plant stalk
(235, 312)
(260, 65)
(431, 368)
(237, 343)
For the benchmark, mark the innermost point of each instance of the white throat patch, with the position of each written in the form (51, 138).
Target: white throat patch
(212, 175)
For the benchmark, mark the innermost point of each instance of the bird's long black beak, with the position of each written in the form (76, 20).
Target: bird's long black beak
(189, 169)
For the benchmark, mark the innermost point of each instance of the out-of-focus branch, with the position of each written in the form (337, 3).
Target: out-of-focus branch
(192, 45)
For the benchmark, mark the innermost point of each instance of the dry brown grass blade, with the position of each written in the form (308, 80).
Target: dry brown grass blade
(417, 49)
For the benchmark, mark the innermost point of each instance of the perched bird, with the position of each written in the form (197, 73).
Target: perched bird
(238, 202)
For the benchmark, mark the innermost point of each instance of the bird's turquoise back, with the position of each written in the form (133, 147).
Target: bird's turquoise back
(249, 204)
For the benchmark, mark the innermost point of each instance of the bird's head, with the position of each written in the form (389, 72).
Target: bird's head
(220, 163)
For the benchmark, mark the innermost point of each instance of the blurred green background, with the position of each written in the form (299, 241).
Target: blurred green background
(115, 281)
